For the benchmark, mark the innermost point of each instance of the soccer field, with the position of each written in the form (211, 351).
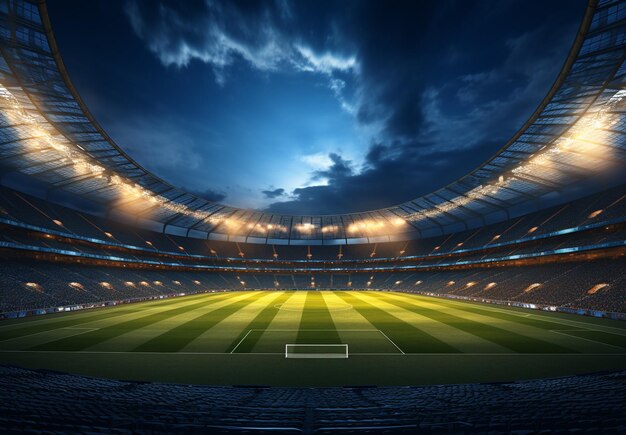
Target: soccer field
(240, 337)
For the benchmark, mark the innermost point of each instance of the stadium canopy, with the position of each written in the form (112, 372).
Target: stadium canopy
(49, 139)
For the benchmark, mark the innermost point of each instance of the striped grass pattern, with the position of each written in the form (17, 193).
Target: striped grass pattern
(375, 325)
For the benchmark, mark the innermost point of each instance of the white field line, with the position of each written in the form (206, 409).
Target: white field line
(241, 341)
(345, 346)
(315, 356)
(79, 331)
(569, 355)
(577, 330)
(317, 330)
(583, 338)
(391, 341)
(79, 328)
(345, 307)
(45, 318)
(309, 330)
(545, 315)
(89, 312)
(122, 352)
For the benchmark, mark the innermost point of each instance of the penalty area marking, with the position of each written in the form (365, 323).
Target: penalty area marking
(339, 331)
(241, 341)
(391, 341)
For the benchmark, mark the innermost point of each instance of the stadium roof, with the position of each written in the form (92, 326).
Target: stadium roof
(576, 135)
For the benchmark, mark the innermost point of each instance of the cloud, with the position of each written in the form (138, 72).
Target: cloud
(326, 62)
(317, 161)
(338, 170)
(275, 193)
(436, 92)
(385, 182)
(261, 33)
(211, 32)
(433, 125)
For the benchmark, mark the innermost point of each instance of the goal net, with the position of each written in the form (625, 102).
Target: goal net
(316, 351)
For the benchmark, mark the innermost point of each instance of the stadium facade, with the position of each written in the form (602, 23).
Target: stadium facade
(541, 224)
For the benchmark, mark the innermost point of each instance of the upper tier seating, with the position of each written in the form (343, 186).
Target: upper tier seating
(605, 207)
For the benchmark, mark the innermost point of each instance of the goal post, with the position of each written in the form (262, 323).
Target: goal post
(316, 351)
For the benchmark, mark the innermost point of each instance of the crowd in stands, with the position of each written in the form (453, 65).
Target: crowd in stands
(28, 285)
(597, 285)
(593, 285)
(51, 402)
(33, 284)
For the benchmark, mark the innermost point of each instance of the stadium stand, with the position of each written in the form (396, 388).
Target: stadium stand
(579, 216)
(499, 262)
(593, 285)
(516, 231)
(51, 402)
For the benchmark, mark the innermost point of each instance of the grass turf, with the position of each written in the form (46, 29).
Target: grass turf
(240, 337)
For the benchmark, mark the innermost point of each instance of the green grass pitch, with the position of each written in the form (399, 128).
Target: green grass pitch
(236, 338)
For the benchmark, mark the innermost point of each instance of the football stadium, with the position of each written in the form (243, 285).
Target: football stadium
(494, 303)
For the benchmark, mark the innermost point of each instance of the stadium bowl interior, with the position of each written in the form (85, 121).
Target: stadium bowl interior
(127, 302)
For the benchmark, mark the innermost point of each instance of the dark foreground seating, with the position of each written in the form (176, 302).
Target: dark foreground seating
(50, 402)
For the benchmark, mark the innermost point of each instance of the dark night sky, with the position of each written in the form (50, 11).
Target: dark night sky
(313, 106)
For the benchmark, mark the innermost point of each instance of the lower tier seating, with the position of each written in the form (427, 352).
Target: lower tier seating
(51, 402)
(595, 285)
